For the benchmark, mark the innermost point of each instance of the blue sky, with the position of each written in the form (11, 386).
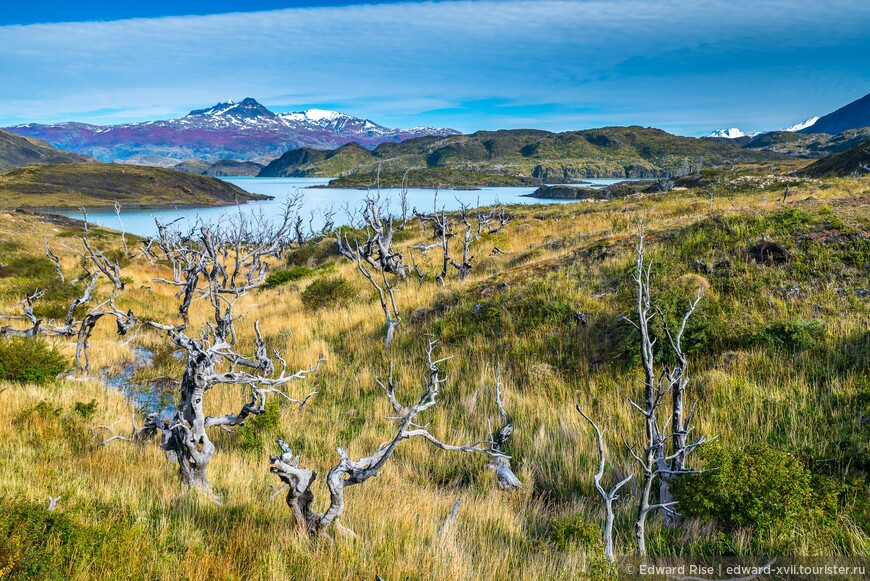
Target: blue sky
(687, 67)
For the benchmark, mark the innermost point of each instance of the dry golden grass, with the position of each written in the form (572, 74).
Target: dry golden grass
(172, 534)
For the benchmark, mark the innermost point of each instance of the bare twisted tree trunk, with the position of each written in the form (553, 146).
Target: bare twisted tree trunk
(607, 496)
(349, 472)
(652, 457)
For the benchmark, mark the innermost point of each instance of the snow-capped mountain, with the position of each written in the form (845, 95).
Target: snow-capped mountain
(802, 125)
(732, 133)
(244, 131)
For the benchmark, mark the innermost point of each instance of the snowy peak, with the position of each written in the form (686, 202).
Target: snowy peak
(245, 109)
(313, 115)
(332, 120)
(803, 124)
(243, 130)
(730, 133)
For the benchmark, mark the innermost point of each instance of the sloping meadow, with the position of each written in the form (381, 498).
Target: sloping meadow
(779, 350)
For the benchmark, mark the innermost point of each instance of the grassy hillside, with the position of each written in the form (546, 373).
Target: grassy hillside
(853, 161)
(809, 145)
(429, 177)
(779, 353)
(98, 184)
(16, 151)
(522, 155)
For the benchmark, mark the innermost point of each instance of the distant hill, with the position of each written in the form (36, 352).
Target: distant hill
(523, 155)
(809, 145)
(99, 184)
(16, 151)
(220, 168)
(852, 116)
(339, 161)
(852, 161)
(245, 131)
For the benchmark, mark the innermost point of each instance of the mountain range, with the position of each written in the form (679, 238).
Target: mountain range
(245, 131)
(855, 114)
(852, 116)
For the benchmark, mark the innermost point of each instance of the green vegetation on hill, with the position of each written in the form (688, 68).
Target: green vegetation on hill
(17, 151)
(430, 177)
(852, 161)
(521, 155)
(73, 185)
(808, 145)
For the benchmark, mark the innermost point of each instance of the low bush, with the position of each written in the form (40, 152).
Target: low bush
(29, 360)
(86, 410)
(38, 544)
(791, 335)
(327, 292)
(288, 275)
(569, 532)
(756, 486)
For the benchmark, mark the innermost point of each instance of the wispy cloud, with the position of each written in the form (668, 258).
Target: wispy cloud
(555, 64)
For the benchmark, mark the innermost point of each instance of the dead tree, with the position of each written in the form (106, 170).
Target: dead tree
(441, 232)
(140, 435)
(665, 183)
(676, 380)
(471, 234)
(349, 472)
(375, 256)
(608, 497)
(125, 323)
(376, 249)
(73, 326)
(385, 291)
(27, 307)
(501, 464)
(229, 260)
(54, 258)
(654, 459)
(491, 222)
(108, 267)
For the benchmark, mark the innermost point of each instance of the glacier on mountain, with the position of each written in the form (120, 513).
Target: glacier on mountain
(803, 124)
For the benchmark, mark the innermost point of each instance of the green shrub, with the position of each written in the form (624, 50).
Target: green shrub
(28, 267)
(288, 275)
(38, 544)
(794, 335)
(327, 292)
(756, 486)
(571, 531)
(252, 434)
(29, 360)
(86, 410)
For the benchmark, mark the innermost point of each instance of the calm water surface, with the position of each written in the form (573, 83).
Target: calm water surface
(141, 222)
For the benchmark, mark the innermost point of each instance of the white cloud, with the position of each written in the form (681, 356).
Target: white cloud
(394, 61)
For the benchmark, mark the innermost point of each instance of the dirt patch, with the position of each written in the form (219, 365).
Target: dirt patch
(770, 253)
(55, 219)
(833, 237)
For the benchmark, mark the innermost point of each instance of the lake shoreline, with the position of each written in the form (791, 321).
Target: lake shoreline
(111, 208)
(314, 203)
